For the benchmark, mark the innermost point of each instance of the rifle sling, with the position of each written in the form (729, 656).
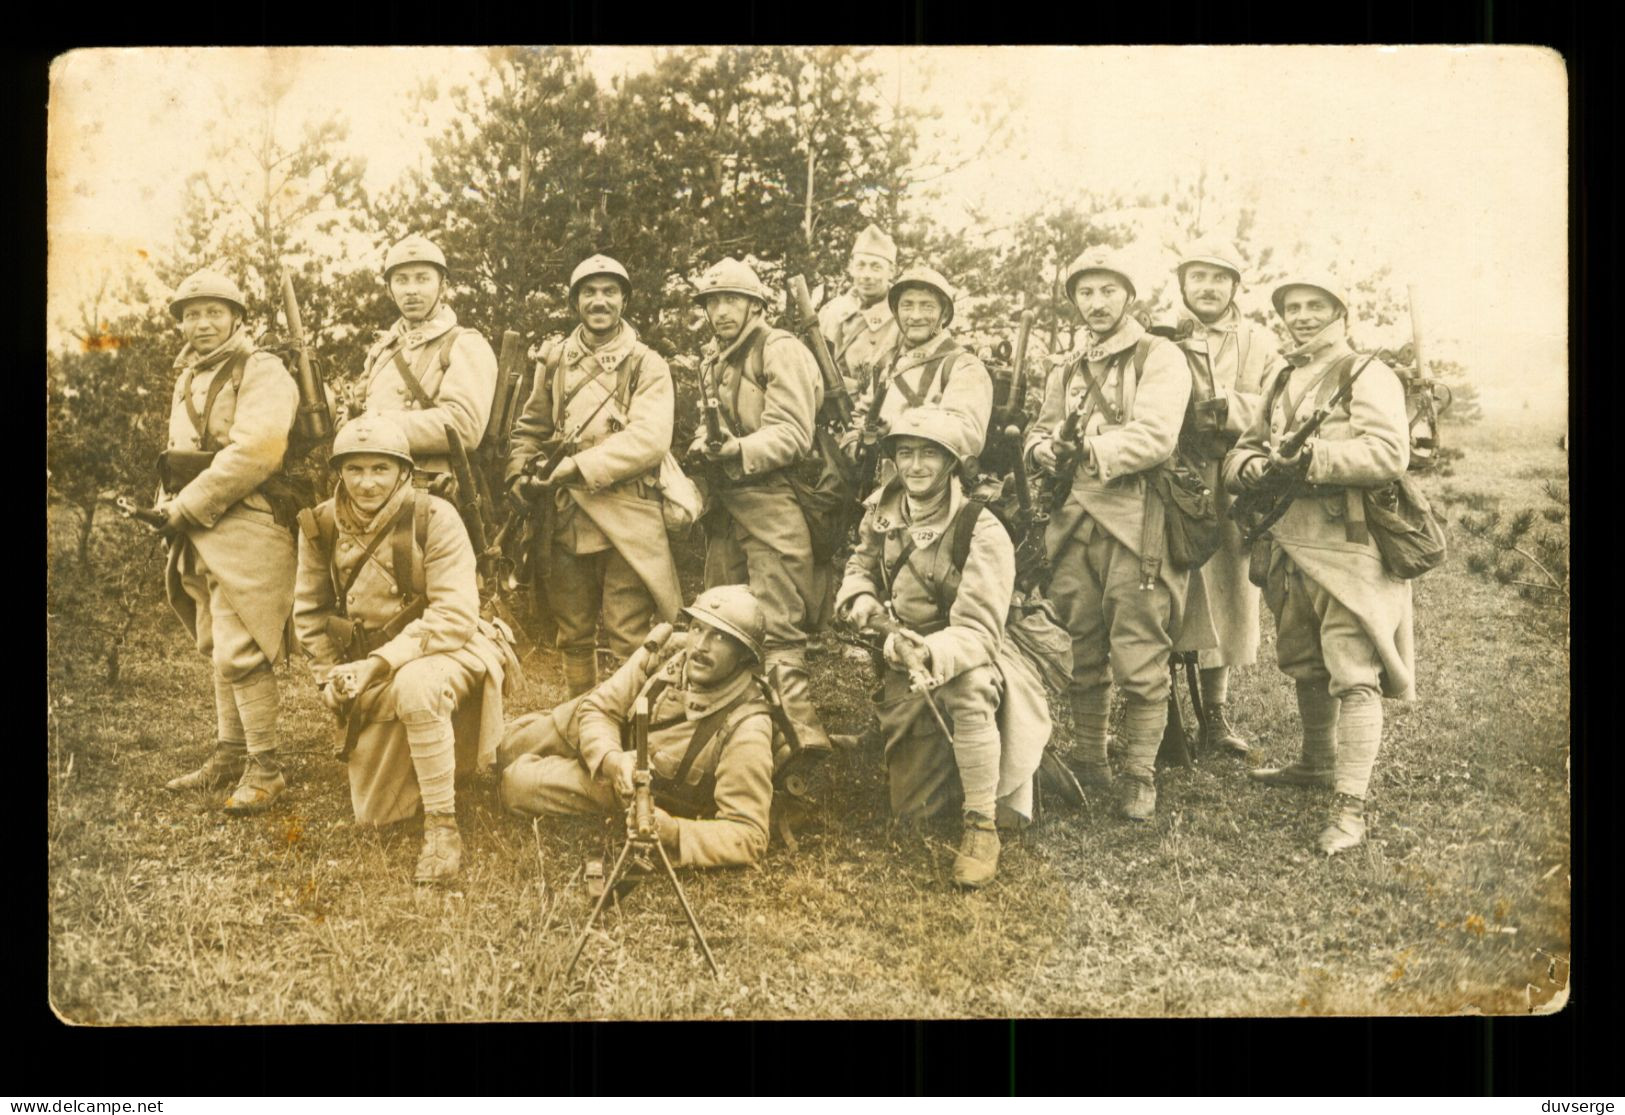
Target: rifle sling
(932, 364)
(229, 372)
(372, 547)
(423, 398)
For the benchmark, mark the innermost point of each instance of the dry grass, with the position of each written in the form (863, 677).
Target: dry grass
(164, 910)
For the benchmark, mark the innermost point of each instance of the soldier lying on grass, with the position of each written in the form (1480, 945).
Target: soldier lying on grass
(710, 738)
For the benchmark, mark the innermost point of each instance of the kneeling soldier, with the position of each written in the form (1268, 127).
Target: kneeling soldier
(936, 574)
(229, 574)
(388, 608)
(1343, 624)
(710, 738)
(1124, 395)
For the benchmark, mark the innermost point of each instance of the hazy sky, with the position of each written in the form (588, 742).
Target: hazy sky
(1449, 164)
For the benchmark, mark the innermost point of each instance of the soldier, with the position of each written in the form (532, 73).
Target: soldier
(710, 739)
(860, 327)
(1116, 593)
(936, 576)
(928, 367)
(230, 569)
(755, 532)
(1343, 624)
(428, 371)
(606, 552)
(1228, 356)
(388, 610)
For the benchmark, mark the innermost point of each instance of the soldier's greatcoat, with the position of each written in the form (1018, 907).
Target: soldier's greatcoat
(457, 371)
(756, 532)
(248, 555)
(619, 456)
(971, 659)
(447, 654)
(1107, 506)
(1228, 359)
(553, 761)
(862, 339)
(936, 373)
(1363, 445)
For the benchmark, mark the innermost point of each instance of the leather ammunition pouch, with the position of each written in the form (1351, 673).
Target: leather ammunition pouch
(179, 467)
(825, 486)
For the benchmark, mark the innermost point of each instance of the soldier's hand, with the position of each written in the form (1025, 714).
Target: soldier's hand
(1298, 462)
(848, 443)
(330, 698)
(522, 492)
(1248, 476)
(618, 767)
(174, 521)
(864, 609)
(666, 826)
(1044, 455)
(729, 448)
(567, 471)
(444, 486)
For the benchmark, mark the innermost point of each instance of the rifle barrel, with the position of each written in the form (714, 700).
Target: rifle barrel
(834, 386)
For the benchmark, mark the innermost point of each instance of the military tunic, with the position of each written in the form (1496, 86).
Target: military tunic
(610, 552)
(1341, 617)
(1095, 538)
(756, 533)
(862, 338)
(458, 372)
(229, 574)
(991, 695)
(1228, 360)
(936, 373)
(436, 663)
(553, 762)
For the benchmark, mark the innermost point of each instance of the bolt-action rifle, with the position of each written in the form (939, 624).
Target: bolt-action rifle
(837, 408)
(1261, 506)
(869, 437)
(313, 422)
(642, 842)
(1058, 484)
(1180, 742)
(1032, 559)
(151, 516)
(1424, 404)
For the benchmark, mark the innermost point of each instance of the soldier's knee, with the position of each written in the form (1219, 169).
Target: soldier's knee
(972, 698)
(423, 692)
(1146, 682)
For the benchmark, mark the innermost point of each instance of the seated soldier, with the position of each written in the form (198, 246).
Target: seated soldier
(710, 738)
(936, 575)
(387, 606)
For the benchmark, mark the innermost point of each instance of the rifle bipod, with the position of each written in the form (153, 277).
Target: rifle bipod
(640, 846)
(642, 837)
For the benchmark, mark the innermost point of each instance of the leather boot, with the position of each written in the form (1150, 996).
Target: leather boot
(223, 767)
(1318, 712)
(1296, 773)
(1218, 732)
(1136, 798)
(978, 858)
(1345, 825)
(580, 671)
(442, 855)
(788, 672)
(261, 784)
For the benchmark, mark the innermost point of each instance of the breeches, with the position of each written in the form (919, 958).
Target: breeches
(1317, 638)
(781, 576)
(220, 631)
(1112, 620)
(414, 711)
(581, 587)
(550, 779)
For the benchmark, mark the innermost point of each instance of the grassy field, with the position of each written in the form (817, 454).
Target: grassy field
(163, 910)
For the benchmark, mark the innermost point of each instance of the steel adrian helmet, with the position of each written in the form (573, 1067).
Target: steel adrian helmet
(1215, 253)
(730, 276)
(930, 280)
(934, 424)
(599, 265)
(1099, 259)
(371, 433)
(207, 284)
(873, 241)
(733, 610)
(1317, 279)
(414, 249)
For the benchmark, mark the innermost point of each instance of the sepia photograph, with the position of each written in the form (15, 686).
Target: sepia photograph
(788, 532)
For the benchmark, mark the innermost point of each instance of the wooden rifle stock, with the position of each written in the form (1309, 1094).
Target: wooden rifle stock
(468, 492)
(869, 438)
(1018, 362)
(1058, 485)
(505, 404)
(835, 396)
